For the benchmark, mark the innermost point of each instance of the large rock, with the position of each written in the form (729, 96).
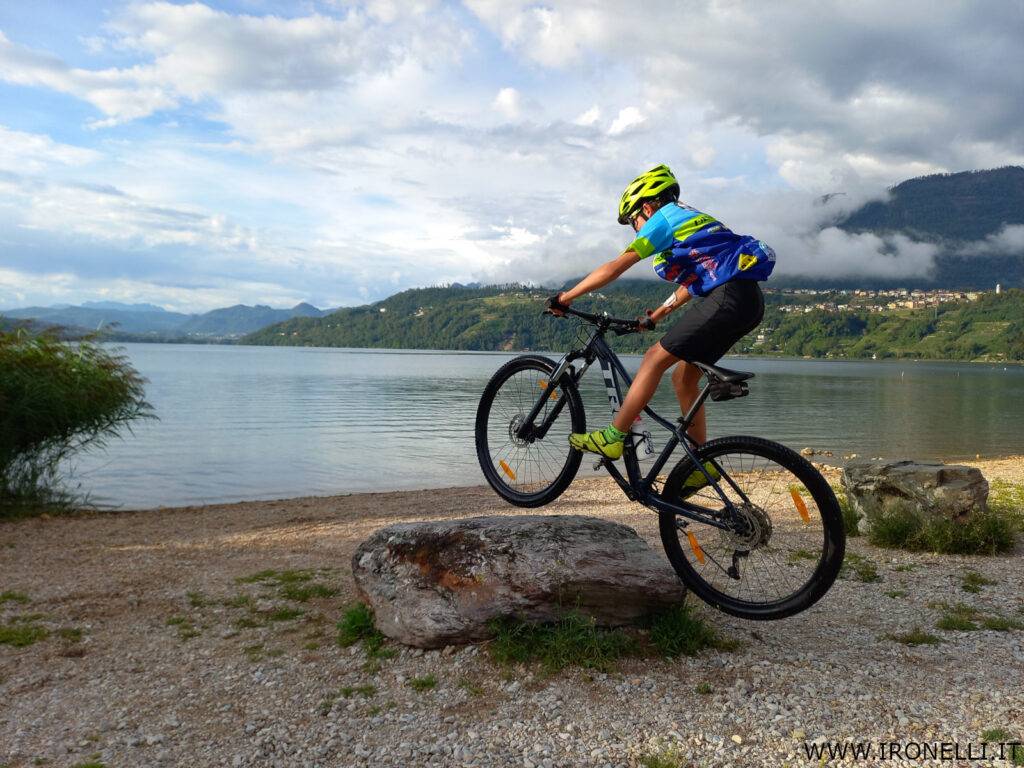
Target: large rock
(947, 490)
(437, 583)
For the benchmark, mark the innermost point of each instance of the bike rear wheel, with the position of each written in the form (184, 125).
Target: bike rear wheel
(534, 472)
(789, 547)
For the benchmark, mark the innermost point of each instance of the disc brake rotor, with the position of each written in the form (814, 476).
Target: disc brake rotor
(513, 430)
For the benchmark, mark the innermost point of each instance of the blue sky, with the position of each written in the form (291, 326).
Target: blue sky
(200, 155)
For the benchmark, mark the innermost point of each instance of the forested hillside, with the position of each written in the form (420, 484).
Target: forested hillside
(510, 318)
(951, 210)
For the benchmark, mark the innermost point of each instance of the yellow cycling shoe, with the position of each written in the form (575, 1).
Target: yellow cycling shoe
(696, 480)
(596, 442)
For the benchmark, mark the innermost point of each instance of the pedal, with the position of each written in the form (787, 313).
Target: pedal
(598, 464)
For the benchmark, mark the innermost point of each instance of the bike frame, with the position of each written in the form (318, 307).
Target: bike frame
(637, 486)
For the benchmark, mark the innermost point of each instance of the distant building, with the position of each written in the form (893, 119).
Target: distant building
(999, 289)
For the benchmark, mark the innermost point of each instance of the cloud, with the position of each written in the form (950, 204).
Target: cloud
(627, 119)
(507, 102)
(871, 84)
(193, 52)
(1007, 241)
(589, 117)
(21, 151)
(351, 151)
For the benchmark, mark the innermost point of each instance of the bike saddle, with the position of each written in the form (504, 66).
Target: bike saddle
(724, 374)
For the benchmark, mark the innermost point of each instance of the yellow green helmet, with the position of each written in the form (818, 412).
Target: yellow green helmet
(644, 187)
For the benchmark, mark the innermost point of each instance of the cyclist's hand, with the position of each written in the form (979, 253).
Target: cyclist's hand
(555, 305)
(646, 323)
(657, 314)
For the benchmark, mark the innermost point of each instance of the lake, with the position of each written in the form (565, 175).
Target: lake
(239, 422)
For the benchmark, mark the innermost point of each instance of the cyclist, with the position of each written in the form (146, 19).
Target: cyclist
(706, 259)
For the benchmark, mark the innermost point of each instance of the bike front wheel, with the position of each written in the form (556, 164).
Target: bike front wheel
(785, 542)
(535, 471)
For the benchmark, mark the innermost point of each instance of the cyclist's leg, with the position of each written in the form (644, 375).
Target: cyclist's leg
(656, 361)
(686, 382)
(608, 442)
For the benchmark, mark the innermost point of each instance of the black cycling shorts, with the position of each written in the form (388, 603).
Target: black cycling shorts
(709, 328)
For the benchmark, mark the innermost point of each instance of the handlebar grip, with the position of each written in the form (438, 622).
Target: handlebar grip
(554, 303)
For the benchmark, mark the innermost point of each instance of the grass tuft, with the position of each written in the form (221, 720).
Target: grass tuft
(573, 640)
(22, 634)
(863, 569)
(303, 593)
(284, 614)
(916, 636)
(186, 629)
(357, 624)
(13, 597)
(802, 554)
(666, 757)
(965, 618)
(360, 690)
(678, 632)
(973, 582)
(851, 517)
(424, 683)
(905, 526)
(1014, 751)
(1001, 623)
(953, 621)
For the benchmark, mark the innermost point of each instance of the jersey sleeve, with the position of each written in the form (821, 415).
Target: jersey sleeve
(654, 237)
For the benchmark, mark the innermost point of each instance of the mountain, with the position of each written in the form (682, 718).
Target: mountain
(241, 319)
(956, 208)
(93, 319)
(119, 305)
(951, 210)
(140, 322)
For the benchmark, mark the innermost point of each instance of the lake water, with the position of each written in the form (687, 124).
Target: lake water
(274, 422)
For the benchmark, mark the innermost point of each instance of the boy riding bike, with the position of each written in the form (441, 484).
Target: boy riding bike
(707, 260)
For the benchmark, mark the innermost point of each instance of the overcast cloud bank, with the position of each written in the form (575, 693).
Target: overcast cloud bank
(195, 157)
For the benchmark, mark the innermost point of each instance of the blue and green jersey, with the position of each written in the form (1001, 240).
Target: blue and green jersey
(695, 250)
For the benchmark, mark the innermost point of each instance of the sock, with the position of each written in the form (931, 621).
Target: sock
(613, 435)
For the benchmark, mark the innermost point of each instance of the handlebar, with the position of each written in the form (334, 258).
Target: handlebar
(619, 325)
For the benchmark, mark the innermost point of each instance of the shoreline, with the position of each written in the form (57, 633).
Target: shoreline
(431, 351)
(834, 463)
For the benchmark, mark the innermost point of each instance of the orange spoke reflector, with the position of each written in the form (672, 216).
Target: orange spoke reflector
(697, 551)
(554, 392)
(507, 469)
(798, 500)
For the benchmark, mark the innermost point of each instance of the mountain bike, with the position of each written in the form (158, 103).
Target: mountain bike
(762, 540)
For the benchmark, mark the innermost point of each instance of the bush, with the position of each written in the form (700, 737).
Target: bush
(904, 526)
(57, 398)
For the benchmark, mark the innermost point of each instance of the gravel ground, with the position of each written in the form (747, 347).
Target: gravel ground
(157, 655)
